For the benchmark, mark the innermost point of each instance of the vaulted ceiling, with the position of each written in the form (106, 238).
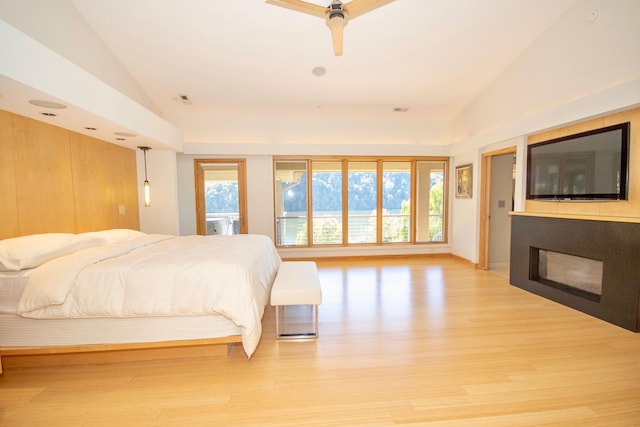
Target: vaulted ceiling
(233, 58)
(203, 62)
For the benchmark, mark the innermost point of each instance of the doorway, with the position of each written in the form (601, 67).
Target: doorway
(220, 196)
(497, 201)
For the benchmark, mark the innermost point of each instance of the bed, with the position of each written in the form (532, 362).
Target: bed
(124, 287)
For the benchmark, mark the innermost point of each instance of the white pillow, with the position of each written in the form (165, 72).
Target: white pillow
(30, 251)
(117, 234)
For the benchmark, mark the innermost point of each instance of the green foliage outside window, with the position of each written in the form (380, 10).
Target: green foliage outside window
(436, 207)
(327, 210)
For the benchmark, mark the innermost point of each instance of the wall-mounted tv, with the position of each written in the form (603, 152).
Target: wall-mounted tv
(590, 165)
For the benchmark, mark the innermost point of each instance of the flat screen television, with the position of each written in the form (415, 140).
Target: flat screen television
(590, 165)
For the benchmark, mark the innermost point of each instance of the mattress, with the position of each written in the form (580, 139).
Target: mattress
(17, 331)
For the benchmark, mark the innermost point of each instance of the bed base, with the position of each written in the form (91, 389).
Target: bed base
(91, 354)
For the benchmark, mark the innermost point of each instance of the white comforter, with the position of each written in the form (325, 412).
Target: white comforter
(158, 275)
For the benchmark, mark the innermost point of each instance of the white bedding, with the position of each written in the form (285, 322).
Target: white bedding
(158, 275)
(12, 284)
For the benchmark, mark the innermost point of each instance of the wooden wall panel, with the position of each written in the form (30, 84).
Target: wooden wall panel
(43, 177)
(9, 224)
(93, 198)
(55, 180)
(632, 206)
(567, 130)
(103, 175)
(621, 209)
(123, 166)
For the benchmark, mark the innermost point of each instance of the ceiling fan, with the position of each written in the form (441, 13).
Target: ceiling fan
(336, 15)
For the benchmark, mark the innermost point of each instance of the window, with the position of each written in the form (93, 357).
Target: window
(362, 202)
(355, 201)
(396, 201)
(326, 203)
(291, 203)
(430, 220)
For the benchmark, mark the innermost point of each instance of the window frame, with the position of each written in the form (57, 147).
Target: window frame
(379, 160)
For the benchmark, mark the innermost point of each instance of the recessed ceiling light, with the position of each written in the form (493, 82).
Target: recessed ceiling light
(319, 71)
(47, 104)
(126, 134)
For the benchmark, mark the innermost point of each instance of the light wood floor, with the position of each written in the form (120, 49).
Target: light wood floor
(428, 342)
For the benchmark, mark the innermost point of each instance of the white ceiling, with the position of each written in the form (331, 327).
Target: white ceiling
(246, 67)
(236, 58)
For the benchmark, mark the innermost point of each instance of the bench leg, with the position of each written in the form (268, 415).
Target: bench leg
(300, 336)
(315, 307)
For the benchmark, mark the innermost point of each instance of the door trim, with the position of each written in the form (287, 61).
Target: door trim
(485, 204)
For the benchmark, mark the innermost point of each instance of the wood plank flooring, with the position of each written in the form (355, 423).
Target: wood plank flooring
(414, 342)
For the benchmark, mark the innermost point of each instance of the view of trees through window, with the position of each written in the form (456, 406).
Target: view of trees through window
(221, 197)
(362, 202)
(219, 192)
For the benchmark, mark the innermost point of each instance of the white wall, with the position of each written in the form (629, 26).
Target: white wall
(463, 213)
(186, 195)
(162, 216)
(260, 202)
(346, 149)
(260, 213)
(577, 70)
(322, 130)
(574, 59)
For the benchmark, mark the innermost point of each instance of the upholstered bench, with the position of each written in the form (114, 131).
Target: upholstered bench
(296, 284)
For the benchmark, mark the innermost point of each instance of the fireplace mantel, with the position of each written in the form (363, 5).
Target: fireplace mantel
(578, 217)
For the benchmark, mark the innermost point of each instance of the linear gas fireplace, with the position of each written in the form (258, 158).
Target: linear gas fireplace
(576, 275)
(591, 266)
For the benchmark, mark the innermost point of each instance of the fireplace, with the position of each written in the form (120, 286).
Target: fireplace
(577, 275)
(591, 266)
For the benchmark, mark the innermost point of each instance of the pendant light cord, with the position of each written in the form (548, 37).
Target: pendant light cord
(144, 151)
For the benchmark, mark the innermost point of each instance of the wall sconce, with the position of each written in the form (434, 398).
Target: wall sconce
(147, 199)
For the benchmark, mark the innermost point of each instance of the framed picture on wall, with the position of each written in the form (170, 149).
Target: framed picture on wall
(464, 182)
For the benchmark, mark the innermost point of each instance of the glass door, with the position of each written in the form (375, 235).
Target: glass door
(220, 196)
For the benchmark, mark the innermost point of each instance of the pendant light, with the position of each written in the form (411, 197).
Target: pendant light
(147, 200)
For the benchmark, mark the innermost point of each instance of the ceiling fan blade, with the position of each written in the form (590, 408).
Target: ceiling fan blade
(300, 6)
(337, 29)
(356, 8)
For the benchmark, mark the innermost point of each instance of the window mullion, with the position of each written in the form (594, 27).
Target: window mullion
(345, 202)
(309, 204)
(413, 211)
(379, 202)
